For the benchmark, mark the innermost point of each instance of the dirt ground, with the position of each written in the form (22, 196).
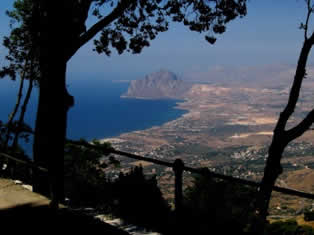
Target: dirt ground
(13, 195)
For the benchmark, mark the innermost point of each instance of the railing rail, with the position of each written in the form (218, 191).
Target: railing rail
(288, 191)
(26, 163)
(178, 168)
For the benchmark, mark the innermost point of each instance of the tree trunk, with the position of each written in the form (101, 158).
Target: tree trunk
(23, 111)
(54, 101)
(12, 115)
(272, 171)
(50, 132)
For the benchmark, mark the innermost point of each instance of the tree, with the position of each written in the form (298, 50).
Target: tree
(281, 136)
(58, 30)
(211, 203)
(23, 63)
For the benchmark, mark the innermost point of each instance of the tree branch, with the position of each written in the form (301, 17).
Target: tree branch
(22, 114)
(296, 86)
(299, 75)
(309, 11)
(302, 127)
(97, 27)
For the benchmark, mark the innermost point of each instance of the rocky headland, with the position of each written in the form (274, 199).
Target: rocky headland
(159, 85)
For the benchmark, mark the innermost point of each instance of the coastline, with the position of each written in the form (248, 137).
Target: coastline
(150, 98)
(136, 97)
(180, 104)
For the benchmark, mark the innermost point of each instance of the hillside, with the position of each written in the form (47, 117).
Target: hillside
(301, 180)
(266, 76)
(227, 129)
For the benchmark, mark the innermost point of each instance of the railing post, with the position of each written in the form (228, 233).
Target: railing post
(178, 167)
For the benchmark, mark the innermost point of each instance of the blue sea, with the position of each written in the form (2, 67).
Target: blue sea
(99, 112)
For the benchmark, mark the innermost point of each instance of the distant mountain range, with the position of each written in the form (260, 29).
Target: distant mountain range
(165, 84)
(158, 85)
(260, 76)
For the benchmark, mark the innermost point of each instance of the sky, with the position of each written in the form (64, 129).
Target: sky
(268, 34)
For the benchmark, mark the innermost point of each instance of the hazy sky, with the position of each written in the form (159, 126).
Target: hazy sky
(269, 34)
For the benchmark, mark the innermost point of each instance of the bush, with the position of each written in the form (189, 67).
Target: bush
(132, 196)
(86, 184)
(309, 215)
(139, 200)
(212, 204)
(289, 227)
(15, 170)
(280, 227)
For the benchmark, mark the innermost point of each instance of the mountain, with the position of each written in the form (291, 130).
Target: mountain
(158, 85)
(260, 76)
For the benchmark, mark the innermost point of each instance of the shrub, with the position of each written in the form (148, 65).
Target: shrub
(85, 181)
(309, 215)
(211, 204)
(289, 227)
(139, 200)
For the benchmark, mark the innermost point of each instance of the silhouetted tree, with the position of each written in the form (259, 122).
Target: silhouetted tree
(58, 29)
(281, 136)
(23, 64)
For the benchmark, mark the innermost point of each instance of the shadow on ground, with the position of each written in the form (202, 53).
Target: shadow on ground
(30, 218)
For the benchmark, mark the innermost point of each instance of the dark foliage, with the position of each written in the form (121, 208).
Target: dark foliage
(22, 63)
(212, 204)
(309, 215)
(13, 170)
(22, 56)
(141, 21)
(139, 200)
(15, 127)
(289, 227)
(133, 197)
(2, 131)
(85, 182)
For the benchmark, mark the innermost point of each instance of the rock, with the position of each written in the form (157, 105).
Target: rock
(28, 187)
(18, 182)
(159, 85)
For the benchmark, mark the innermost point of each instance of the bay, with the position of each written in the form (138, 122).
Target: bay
(99, 112)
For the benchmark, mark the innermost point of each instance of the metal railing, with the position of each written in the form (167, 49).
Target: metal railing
(178, 169)
(29, 164)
